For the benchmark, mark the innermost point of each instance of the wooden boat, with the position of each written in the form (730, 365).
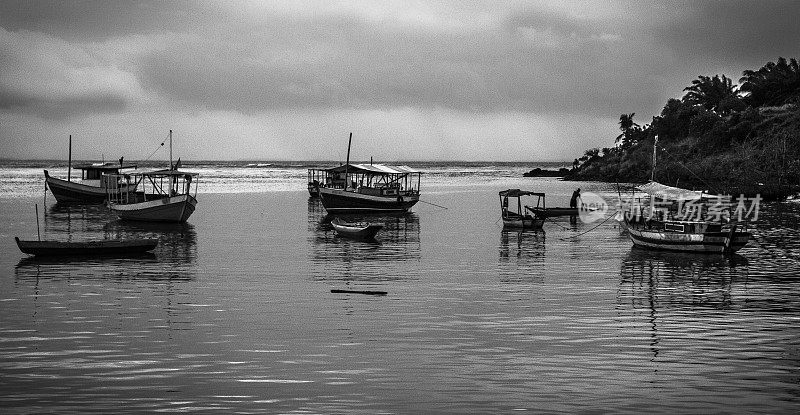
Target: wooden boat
(166, 196)
(94, 183)
(104, 247)
(363, 230)
(555, 212)
(369, 188)
(664, 229)
(522, 217)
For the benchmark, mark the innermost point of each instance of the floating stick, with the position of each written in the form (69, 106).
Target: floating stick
(367, 292)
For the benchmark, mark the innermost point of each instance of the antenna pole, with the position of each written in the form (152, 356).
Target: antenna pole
(346, 166)
(69, 163)
(170, 149)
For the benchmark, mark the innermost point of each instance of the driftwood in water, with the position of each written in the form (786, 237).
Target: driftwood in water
(367, 292)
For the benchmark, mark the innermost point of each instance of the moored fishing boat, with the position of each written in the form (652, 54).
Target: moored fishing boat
(362, 230)
(369, 188)
(521, 218)
(668, 228)
(103, 247)
(93, 185)
(166, 195)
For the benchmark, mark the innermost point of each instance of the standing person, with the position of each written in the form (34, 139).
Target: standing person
(573, 202)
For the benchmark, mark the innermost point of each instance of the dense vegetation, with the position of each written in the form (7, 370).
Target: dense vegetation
(718, 137)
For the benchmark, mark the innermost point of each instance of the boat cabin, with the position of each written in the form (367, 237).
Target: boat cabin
(521, 216)
(374, 179)
(152, 185)
(97, 174)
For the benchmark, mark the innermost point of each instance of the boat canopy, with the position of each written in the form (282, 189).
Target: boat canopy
(373, 168)
(164, 173)
(105, 166)
(665, 192)
(518, 193)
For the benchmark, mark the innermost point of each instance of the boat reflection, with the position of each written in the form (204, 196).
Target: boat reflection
(339, 258)
(146, 266)
(666, 291)
(177, 242)
(680, 279)
(522, 256)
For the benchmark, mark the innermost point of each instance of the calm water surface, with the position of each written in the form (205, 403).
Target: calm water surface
(233, 311)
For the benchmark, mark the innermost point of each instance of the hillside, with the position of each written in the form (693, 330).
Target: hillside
(718, 138)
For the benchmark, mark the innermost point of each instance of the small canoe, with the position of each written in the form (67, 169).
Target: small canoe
(105, 247)
(363, 230)
(555, 212)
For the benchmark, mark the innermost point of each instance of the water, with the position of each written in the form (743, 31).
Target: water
(233, 311)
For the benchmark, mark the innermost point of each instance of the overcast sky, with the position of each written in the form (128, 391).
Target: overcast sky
(412, 80)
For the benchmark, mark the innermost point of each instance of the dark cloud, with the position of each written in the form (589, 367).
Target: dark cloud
(581, 63)
(520, 62)
(738, 34)
(62, 107)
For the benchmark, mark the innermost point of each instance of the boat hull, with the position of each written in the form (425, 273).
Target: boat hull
(88, 248)
(555, 212)
(709, 242)
(168, 209)
(339, 200)
(523, 223)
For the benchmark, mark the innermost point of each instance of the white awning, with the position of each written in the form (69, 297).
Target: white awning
(663, 191)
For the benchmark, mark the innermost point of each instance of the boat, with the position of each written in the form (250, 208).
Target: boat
(92, 188)
(524, 217)
(555, 212)
(369, 188)
(667, 228)
(362, 230)
(166, 195)
(104, 247)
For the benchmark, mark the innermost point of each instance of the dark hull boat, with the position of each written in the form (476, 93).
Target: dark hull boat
(66, 191)
(555, 212)
(363, 188)
(93, 186)
(108, 247)
(706, 242)
(340, 200)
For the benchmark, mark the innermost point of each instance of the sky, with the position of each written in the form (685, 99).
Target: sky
(411, 80)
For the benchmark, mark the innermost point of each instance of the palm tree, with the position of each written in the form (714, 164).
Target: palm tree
(627, 126)
(774, 84)
(710, 92)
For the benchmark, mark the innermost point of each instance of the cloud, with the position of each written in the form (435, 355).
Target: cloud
(56, 79)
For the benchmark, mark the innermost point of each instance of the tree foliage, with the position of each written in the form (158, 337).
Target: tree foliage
(775, 84)
(712, 93)
(743, 144)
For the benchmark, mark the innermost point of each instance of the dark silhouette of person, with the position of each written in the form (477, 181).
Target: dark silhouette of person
(573, 202)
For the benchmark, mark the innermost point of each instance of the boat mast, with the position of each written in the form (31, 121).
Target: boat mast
(655, 145)
(170, 149)
(170, 162)
(346, 166)
(69, 162)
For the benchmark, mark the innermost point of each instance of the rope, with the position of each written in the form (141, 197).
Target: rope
(433, 204)
(584, 233)
(689, 170)
(157, 148)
